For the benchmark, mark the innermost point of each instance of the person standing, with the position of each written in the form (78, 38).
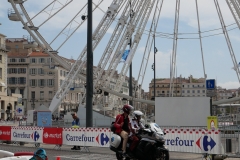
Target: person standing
(75, 124)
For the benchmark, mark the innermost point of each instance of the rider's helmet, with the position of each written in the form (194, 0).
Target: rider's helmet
(137, 114)
(127, 108)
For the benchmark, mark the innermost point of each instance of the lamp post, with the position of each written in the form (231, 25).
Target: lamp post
(154, 70)
(130, 68)
(89, 80)
(33, 100)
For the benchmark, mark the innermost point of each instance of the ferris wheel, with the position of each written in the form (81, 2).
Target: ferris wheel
(122, 28)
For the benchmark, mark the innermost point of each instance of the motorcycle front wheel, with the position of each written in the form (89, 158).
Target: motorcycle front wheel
(163, 156)
(119, 156)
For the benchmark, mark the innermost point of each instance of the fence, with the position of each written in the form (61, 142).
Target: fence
(224, 140)
(229, 138)
(97, 122)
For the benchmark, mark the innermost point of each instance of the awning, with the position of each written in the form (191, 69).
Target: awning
(2, 84)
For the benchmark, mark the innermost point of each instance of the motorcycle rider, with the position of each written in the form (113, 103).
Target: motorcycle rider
(136, 125)
(123, 120)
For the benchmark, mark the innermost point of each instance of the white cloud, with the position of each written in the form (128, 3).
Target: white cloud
(229, 85)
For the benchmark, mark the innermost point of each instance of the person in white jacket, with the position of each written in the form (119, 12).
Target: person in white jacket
(136, 125)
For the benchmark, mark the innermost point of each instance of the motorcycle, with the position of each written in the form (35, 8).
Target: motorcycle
(151, 145)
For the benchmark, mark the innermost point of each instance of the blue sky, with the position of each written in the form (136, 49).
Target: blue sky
(217, 59)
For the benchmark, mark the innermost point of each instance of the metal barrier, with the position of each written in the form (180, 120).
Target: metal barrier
(97, 122)
(230, 138)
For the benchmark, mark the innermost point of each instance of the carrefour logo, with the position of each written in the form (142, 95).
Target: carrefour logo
(35, 135)
(102, 139)
(206, 142)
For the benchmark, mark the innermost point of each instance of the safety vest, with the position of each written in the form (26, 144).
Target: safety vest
(75, 125)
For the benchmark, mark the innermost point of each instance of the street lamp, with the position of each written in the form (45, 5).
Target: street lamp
(33, 100)
(154, 70)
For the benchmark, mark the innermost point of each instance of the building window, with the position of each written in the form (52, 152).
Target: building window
(33, 60)
(0, 58)
(33, 71)
(33, 82)
(182, 91)
(50, 94)
(13, 90)
(1, 73)
(13, 60)
(50, 82)
(41, 95)
(162, 91)
(41, 60)
(193, 91)
(22, 92)
(21, 80)
(41, 82)
(198, 91)
(50, 73)
(22, 60)
(188, 91)
(60, 72)
(33, 94)
(21, 70)
(203, 91)
(12, 70)
(12, 80)
(40, 71)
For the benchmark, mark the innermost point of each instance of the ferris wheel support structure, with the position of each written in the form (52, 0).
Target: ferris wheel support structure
(174, 53)
(148, 47)
(225, 32)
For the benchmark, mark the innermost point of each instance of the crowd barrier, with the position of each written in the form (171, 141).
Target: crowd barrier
(98, 137)
(192, 140)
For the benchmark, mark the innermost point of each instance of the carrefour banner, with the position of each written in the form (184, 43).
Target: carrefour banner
(27, 134)
(193, 140)
(98, 137)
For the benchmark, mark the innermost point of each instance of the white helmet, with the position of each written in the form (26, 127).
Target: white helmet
(137, 114)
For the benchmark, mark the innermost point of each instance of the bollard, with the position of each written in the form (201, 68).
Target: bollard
(228, 145)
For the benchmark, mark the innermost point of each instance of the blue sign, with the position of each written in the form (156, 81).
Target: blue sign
(210, 83)
(44, 119)
(19, 110)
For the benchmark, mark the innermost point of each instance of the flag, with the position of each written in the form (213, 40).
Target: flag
(125, 56)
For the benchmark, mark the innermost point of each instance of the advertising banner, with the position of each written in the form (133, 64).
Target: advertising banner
(44, 119)
(98, 137)
(193, 140)
(212, 122)
(5, 133)
(27, 134)
(52, 136)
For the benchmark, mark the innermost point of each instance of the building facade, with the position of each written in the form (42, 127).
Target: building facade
(8, 102)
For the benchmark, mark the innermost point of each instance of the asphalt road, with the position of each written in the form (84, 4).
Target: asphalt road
(95, 153)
